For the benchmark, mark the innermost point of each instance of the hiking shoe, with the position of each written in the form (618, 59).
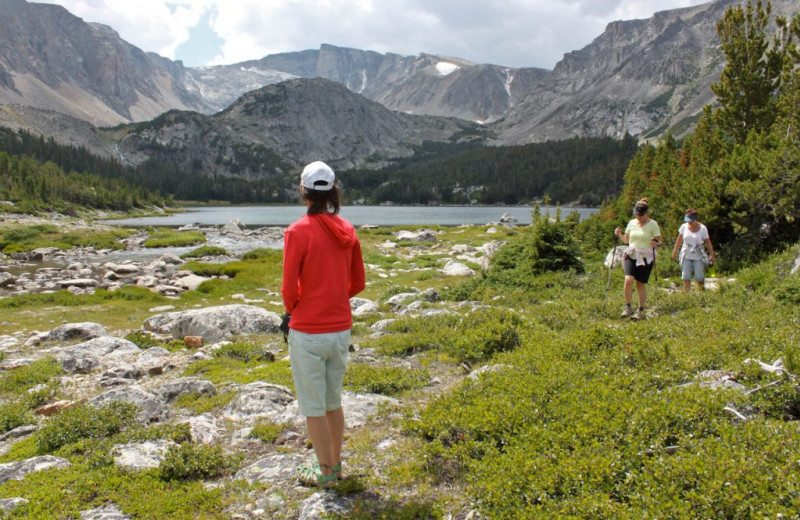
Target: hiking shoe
(640, 315)
(627, 312)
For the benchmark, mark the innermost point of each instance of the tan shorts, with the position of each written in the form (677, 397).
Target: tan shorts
(318, 365)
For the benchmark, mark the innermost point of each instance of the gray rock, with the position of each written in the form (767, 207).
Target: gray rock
(18, 470)
(367, 308)
(796, 266)
(325, 504)
(151, 408)
(168, 392)
(424, 235)
(90, 354)
(123, 269)
(72, 331)
(453, 268)
(215, 323)
(140, 456)
(107, 512)
(381, 326)
(356, 302)
(259, 401)
(123, 371)
(9, 504)
(235, 227)
(398, 300)
(7, 279)
(276, 468)
(190, 282)
(204, 429)
(18, 432)
(81, 283)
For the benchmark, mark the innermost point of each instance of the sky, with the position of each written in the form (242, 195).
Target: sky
(513, 33)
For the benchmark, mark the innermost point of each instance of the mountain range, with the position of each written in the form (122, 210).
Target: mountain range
(82, 84)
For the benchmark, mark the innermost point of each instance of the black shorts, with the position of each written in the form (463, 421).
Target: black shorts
(640, 272)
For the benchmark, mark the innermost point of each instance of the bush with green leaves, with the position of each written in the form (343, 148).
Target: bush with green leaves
(84, 421)
(25, 377)
(189, 461)
(364, 378)
(546, 245)
(14, 414)
(475, 336)
(267, 432)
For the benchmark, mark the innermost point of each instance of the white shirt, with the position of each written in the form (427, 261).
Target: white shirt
(693, 240)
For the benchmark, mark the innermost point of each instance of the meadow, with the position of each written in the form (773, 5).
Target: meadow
(528, 398)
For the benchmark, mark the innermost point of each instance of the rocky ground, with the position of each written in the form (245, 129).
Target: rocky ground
(100, 366)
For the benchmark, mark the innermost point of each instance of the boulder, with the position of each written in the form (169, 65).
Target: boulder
(424, 235)
(204, 428)
(325, 505)
(277, 467)
(234, 227)
(18, 470)
(259, 401)
(90, 354)
(215, 323)
(151, 408)
(7, 279)
(140, 456)
(73, 331)
(453, 268)
(168, 392)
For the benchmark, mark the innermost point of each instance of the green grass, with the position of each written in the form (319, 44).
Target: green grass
(172, 238)
(202, 251)
(26, 238)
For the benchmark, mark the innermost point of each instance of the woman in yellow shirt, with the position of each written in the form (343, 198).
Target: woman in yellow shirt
(643, 237)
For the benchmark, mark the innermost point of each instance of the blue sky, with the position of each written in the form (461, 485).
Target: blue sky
(515, 33)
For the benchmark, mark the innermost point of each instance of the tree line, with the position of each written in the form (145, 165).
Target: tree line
(740, 168)
(37, 174)
(586, 170)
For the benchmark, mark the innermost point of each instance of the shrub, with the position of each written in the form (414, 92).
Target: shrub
(14, 414)
(84, 422)
(36, 373)
(547, 245)
(361, 377)
(243, 351)
(192, 462)
(267, 432)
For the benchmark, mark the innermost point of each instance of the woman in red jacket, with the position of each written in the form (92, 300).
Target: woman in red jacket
(322, 270)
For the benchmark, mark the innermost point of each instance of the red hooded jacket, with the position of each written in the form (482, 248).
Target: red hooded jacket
(322, 270)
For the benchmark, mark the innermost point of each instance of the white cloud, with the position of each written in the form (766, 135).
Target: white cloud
(513, 32)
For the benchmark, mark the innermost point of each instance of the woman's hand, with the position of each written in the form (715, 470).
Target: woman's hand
(674, 255)
(655, 242)
(618, 232)
(711, 259)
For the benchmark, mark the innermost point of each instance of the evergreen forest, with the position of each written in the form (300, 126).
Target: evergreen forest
(584, 170)
(37, 174)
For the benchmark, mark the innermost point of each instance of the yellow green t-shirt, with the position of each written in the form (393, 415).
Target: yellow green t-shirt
(639, 236)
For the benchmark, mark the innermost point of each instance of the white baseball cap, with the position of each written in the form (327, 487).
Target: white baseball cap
(317, 176)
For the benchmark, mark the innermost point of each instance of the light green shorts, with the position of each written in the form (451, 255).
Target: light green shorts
(318, 364)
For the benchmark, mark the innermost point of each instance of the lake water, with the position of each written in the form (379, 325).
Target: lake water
(358, 215)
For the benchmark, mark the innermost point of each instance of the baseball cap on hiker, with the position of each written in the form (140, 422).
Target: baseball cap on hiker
(317, 176)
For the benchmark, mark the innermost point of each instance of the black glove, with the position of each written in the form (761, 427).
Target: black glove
(284, 326)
